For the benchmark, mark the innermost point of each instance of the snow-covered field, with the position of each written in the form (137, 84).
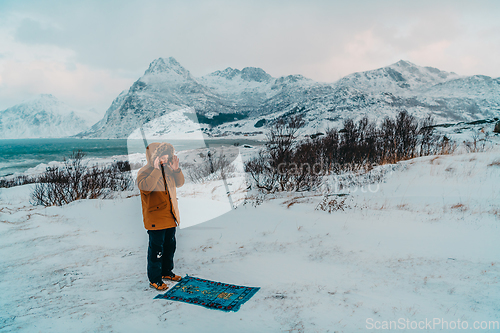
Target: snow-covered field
(421, 244)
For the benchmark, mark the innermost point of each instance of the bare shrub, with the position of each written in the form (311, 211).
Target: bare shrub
(261, 172)
(215, 165)
(328, 149)
(330, 205)
(387, 139)
(17, 181)
(74, 181)
(476, 145)
(304, 172)
(427, 137)
(406, 135)
(275, 168)
(446, 146)
(287, 164)
(123, 166)
(399, 138)
(254, 200)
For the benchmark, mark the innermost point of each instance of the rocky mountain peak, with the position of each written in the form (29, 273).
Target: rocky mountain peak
(291, 79)
(248, 74)
(227, 73)
(403, 64)
(162, 65)
(255, 74)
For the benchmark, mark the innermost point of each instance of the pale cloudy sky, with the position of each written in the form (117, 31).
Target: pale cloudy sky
(86, 52)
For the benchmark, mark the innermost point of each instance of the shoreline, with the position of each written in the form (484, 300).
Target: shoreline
(30, 153)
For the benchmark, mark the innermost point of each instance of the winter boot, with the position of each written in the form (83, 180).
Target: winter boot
(171, 277)
(158, 286)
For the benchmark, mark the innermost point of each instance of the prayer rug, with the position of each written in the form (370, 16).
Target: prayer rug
(210, 294)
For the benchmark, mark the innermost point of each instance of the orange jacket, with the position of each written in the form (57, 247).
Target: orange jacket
(159, 206)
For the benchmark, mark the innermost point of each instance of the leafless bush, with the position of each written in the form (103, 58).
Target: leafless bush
(261, 172)
(285, 164)
(304, 172)
(279, 166)
(255, 200)
(477, 144)
(428, 138)
(216, 164)
(123, 166)
(17, 181)
(329, 204)
(398, 139)
(74, 181)
(445, 146)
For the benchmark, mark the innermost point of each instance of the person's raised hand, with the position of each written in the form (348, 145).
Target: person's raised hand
(175, 163)
(157, 163)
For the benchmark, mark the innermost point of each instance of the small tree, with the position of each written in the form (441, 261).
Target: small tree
(427, 136)
(406, 135)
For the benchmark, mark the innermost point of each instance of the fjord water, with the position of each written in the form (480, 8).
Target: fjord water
(18, 155)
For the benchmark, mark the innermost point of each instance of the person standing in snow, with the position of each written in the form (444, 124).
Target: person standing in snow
(157, 182)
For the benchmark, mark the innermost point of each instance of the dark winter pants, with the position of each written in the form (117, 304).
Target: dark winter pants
(161, 251)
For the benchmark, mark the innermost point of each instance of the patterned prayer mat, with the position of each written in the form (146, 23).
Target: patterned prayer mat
(210, 294)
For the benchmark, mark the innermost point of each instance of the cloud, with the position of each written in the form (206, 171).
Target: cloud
(99, 48)
(32, 64)
(32, 31)
(76, 83)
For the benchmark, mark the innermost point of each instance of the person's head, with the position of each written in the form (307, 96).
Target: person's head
(165, 151)
(165, 159)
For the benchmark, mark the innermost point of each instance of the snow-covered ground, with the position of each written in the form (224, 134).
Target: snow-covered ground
(423, 243)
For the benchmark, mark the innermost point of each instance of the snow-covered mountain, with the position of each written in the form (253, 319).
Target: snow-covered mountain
(166, 86)
(248, 87)
(43, 117)
(398, 77)
(245, 102)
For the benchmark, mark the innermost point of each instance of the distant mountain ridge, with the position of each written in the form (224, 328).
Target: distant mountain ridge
(401, 75)
(247, 74)
(245, 102)
(43, 116)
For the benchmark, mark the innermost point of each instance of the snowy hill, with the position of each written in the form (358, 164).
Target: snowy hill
(42, 117)
(233, 102)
